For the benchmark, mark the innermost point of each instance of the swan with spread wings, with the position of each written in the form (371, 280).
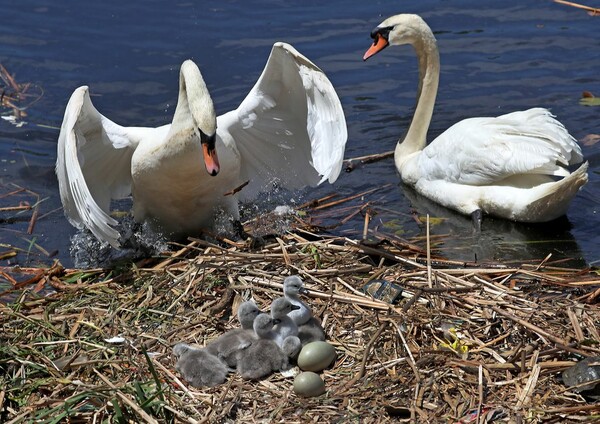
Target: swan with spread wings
(290, 129)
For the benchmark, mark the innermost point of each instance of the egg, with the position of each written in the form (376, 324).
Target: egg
(308, 384)
(316, 356)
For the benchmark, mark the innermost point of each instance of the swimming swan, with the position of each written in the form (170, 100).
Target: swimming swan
(508, 166)
(289, 129)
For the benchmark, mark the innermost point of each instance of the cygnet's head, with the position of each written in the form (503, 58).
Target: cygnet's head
(246, 314)
(181, 348)
(263, 324)
(293, 286)
(281, 307)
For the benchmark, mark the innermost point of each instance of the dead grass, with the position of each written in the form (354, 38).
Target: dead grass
(465, 345)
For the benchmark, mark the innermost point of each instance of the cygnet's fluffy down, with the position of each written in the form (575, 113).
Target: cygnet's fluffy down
(226, 346)
(311, 331)
(263, 356)
(309, 328)
(198, 367)
(286, 327)
(291, 347)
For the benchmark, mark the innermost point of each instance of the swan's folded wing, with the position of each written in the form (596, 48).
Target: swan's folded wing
(93, 166)
(481, 151)
(290, 129)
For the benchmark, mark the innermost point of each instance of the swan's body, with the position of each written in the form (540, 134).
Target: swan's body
(290, 129)
(512, 166)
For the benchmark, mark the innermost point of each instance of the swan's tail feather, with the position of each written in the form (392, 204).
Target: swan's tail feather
(554, 201)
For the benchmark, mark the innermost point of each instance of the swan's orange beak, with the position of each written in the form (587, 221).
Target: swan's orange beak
(379, 44)
(209, 151)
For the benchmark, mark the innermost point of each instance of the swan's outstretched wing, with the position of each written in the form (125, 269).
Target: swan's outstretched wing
(481, 151)
(290, 128)
(93, 166)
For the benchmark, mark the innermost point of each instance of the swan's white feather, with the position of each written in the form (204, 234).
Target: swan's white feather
(483, 151)
(513, 166)
(94, 156)
(290, 128)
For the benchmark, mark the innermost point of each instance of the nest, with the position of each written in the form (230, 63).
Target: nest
(460, 343)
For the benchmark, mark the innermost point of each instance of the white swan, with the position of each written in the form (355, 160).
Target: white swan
(510, 166)
(289, 129)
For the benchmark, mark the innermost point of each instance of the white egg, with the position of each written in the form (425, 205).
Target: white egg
(316, 356)
(308, 384)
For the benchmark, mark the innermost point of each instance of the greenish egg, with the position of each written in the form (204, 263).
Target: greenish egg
(308, 384)
(316, 356)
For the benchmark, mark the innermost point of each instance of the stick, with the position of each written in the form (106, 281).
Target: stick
(428, 256)
(15, 208)
(366, 227)
(337, 202)
(366, 353)
(592, 10)
(33, 220)
(237, 189)
(536, 329)
(143, 414)
(351, 164)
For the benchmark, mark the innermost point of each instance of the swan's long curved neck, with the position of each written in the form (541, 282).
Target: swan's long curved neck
(194, 106)
(429, 72)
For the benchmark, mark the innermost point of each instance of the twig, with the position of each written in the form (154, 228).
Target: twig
(591, 10)
(143, 414)
(237, 189)
(428, 256)
(366, 354)
(537, 330)
(33, 220)
(353, 163)
(346, 199)
(16, 208)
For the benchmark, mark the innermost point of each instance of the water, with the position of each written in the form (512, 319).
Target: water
(496, 57)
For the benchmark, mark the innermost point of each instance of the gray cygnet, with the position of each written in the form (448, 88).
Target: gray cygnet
(280, 310)
(198, 367)
(309, 328)
(226, 346)
(263, 356)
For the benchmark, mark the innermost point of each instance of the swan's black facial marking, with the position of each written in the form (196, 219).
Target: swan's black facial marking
(380, 41)
(382, 32)
(209, 151)
(209, 140)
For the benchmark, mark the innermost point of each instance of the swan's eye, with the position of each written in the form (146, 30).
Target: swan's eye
(381, 32)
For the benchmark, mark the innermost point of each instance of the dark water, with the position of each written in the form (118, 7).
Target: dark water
(496, 57)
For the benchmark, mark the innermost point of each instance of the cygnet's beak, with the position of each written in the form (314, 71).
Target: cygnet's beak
(379, 43)
(276, 321)
(209, 151)
(302, 290)
(294, 307)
